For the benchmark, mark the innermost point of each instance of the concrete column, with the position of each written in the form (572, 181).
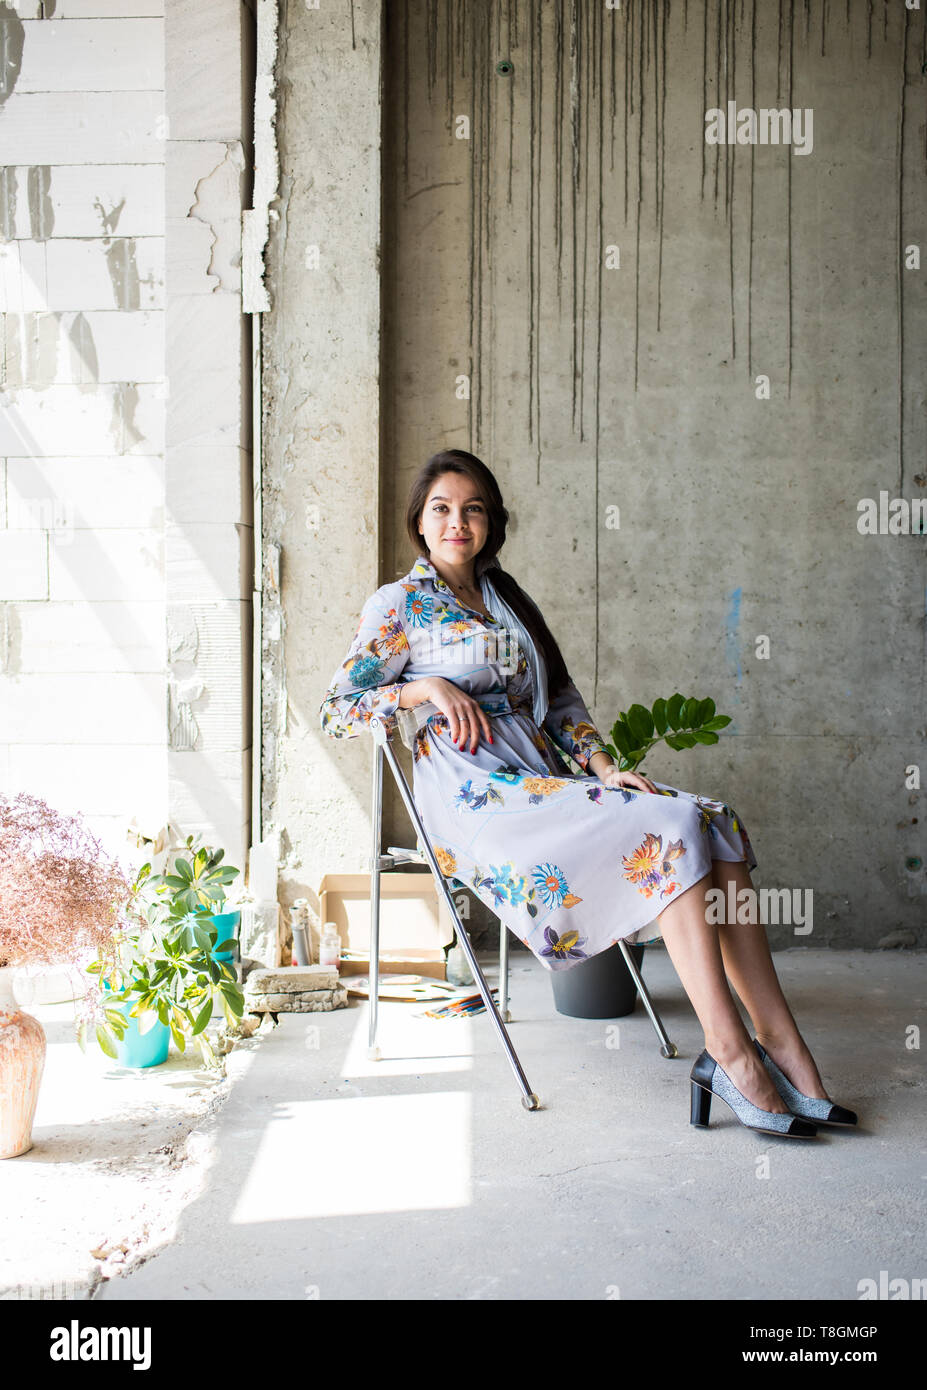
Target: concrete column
(322, 479)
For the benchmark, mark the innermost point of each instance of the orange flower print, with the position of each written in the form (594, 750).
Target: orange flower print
(446, 861)
(650, 867)
(543, 786)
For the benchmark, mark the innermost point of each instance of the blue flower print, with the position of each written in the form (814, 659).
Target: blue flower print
(553, 887)
(476, 800)
(507, 886)
(418, 608)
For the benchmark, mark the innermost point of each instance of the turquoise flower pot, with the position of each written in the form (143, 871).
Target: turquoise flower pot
(141, 1049)
(226, 924)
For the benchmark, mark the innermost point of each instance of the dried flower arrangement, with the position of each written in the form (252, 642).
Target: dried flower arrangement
(62, 895)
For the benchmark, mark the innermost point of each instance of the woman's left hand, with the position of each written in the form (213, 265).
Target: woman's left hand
(613, 777)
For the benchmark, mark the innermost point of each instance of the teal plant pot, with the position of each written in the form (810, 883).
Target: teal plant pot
(226, 924)
(141, 1049)
(144, 1049)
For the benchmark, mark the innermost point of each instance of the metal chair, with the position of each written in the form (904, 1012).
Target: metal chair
(383, 749)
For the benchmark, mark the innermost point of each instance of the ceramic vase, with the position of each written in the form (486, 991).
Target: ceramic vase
(22, 1061)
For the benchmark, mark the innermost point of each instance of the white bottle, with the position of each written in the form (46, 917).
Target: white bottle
(330, 946)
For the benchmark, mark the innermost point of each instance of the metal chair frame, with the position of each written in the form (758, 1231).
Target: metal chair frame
(383, 750)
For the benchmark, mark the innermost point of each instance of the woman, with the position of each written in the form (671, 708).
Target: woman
(570, 862)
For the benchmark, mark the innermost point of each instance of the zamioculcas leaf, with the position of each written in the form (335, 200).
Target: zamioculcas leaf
(640, 723)
(659, 716)
(622, 738)
(673, 706)
(704, 736)
(720, 721)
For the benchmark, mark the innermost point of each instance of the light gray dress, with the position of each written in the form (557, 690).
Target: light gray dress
(569, 865)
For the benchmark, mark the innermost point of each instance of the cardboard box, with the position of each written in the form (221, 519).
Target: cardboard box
(433, 965)
(415, 923)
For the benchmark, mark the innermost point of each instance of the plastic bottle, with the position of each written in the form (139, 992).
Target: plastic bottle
(330, 946)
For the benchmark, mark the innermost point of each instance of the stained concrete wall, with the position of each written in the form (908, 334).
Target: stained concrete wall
(687, 363)
(125, 472)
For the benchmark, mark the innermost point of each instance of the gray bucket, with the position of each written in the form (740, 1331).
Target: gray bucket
(600, 987)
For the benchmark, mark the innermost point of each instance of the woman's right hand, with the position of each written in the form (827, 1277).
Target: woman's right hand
(467, 719)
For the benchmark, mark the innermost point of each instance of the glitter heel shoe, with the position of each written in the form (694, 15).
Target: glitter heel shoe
(709, 1079)
(821, 1112)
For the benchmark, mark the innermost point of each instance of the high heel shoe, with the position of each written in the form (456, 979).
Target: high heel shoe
(709, 1079)
(822, 1112)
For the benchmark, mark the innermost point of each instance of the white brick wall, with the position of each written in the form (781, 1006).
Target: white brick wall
(125, 477)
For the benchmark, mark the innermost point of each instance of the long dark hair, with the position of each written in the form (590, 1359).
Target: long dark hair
(459, 461)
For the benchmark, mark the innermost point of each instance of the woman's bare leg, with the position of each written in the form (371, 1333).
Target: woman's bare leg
(694, 949)
(749, 967)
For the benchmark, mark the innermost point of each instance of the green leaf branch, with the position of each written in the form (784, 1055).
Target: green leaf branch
(679, 722)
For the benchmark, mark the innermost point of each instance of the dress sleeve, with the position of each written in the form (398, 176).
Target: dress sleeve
(366, 682)
(570, 726)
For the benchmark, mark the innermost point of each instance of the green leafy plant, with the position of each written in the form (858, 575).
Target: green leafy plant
(164, 963)
(678, 722)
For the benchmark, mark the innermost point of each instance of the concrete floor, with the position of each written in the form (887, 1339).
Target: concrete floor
(422, 1176)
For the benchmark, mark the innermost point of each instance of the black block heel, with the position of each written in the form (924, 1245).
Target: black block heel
(709, 1079)
(701, 1105)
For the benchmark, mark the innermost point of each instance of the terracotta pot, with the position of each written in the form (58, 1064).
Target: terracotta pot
(22, 1061)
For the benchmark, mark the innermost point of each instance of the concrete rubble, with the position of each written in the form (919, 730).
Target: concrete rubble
(294, 989)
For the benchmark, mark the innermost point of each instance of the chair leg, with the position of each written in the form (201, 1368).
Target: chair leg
(528, 1099)
(667, 1048)
(373, 980)
(504, 973)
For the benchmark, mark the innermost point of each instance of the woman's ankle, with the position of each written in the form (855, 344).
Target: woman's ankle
(727, 1049)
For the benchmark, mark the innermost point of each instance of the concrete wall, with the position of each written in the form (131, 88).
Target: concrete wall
(125, 474)
(687, 363)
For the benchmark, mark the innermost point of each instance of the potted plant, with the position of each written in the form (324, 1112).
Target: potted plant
(62, 898)
(603, 986)
(169, 970)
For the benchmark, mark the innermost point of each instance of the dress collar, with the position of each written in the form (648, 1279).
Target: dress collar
(424, 569)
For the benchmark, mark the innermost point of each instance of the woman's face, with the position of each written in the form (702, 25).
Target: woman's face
(454, 520)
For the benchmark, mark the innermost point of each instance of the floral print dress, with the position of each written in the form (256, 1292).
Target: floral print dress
(569, 865)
